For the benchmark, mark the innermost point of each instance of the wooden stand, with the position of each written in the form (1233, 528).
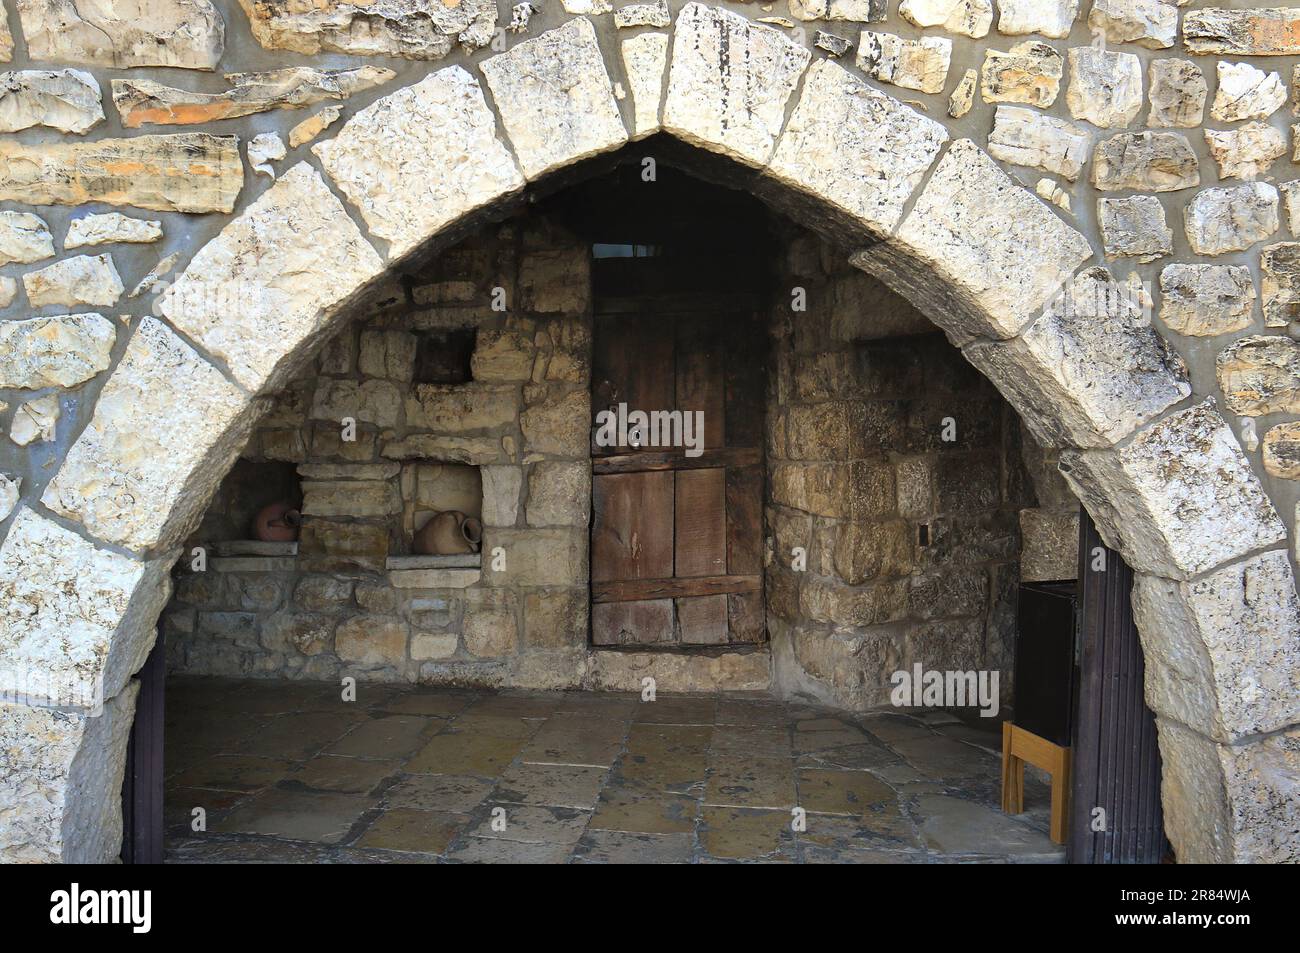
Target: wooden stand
(1019, 746)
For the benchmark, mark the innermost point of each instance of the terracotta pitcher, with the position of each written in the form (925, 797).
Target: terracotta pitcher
(449, 533)
(277, 523)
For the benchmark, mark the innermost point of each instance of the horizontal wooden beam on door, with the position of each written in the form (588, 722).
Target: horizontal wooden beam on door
(677, 460)
(631, 590)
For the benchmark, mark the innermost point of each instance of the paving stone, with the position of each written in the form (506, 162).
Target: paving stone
(621, 847)
(343, 775)
(479, 850)
(841, 792)
(232, 773)
(403, 829)
(448, 793)
(622, 810)
(750, 782)
(464, 754)
(732, 833)
(956, 826)
(299, 736)
(553, 785)
(881, 826)
(395, 736)
(530, 824)
(321, 818)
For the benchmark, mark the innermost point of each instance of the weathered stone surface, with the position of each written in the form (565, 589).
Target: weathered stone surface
(78, 621)
(59, 351)
(920, 64)
(108, 228)
(1028, 73)
(1090, 371)
(1149, 23)
(6, 38)
(67, 100)
(1282, 450)
(555, 97)
(654, 14)
(1205, 300)
(1025, 137)
(451, 448)
(1260, 375)
(8, 290)
(968, 17)
(729, 82)
(1231, 218)
(24, 238)
(1246, 93)
(963, 94)
(83, 280)
(371, 402)
(61, 782)
(1279, 267)
(501, 486)
(1254, 32)
(558, 426)
(142, 101)
(1247, 151)
(387, 353)
(539, 557)
(359, 498)
(421, 158)
(188, 172)
(853, 11)
(871, 550)
(645, 57)
(559, 493)
(1146, 162)
(189, 34)
(1177, 94)
(832, 44)
(679, 672)
(1291, 198)
(1051, 191)
(555, 618)
(855, 147)
(1049, 545)
(165, 431)
(264, 149)
(433, 645)
(491, 629)
(413, 29)
(10, 490)
(35, 420)
(1223, 653)
(459, 408)
(261, 292)
(1178, 500)
(313, 126)
(1134, 227)
(1105, 88)
(371, 641)
(1052, 18)
(954, 231)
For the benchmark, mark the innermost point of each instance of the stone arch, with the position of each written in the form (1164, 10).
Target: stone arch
(83, 567)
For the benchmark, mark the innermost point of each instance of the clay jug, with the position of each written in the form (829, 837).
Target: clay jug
(277, 523)
(449, 533)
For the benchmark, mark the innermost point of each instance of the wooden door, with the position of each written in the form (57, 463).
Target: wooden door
(677, 539)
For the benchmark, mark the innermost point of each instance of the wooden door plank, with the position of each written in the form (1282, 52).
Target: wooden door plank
(632, 364)
(672, 588)
(701, 384)
(744, 520)
(677, 460)
(633, 623)
(632, 526)
(745, 380)
(702, 620)
(700, 519)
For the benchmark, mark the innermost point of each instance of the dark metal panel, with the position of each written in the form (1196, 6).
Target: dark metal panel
(142, 783)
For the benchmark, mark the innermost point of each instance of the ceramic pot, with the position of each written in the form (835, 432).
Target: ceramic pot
(449, 533)
(277, 523)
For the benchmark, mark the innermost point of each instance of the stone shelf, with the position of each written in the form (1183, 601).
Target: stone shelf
(466, 561)
(254, 547)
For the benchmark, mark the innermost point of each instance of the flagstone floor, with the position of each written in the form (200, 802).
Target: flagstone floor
(287, 772)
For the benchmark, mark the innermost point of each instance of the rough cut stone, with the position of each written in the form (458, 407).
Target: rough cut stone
(1260, 375)
(1231, 218)
(1145, 162)
(654, 14)
(54, 352)
(370, 402)
(855, 147)
(1223, 653)
(831, 44)
(1247, 151)
(956, 231)
(501, 486)
(313, 126)
(1177, 94)
(1105, 88)
(421, 158)
(24, 238)
(413, 29)
(1205, 300)
(83, 280)
(1179, 499)
(141, 101)
(1025, 137)
(729, 82)
(963, 94)
(36, 420)
(1279, 267)
(261, 292)
(555, 97)
(1258, 32)
(1246, 93)
(645, 57)
(1282, 450)
(968, 17)
(8, 291)
(190, 172)
(188, 34)
(165, 431)
(1052, 18)
(1090, 371)
(1049, 545)
(559, 493)
(1291, 197)
(854, 11)
(67, 100)
(1134, 227)
(912, 64)
(78, 620)
(1149, 23)
(264, 149)
(371, 641)
(6, 38)
(1052, 192)
(108, 228)
(1029, 73)
(10, 490)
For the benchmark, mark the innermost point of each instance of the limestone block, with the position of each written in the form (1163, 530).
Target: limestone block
(555, 618)
(1049, 545)
(67, 100)
(165, 431)
(387, 353)
(968, 17)
(371, 641)
(1134, 227)
(412, 29)
(912, 64)
(1279, 267)
(502, 355)
(1223, 653)
(11, 489)
(1105, 88)
(870, 550)
(111, 227)
(6, 38)
(501, 486)
(313, 126)
(457, 408)
(491, 627)
(421, 158)
(1145, 162)
(433, 645)
(729, 82)
(645, 57)
(855, 147)
(1252, 32)
(1025, 137)
(24, 238)
(559, 426)
(78, 620)
(1205, 300)
(1177, 94)
(372, 402)
(359, 498)
(1246, 93)
(1028, 73)
(1179, 499)
(1259, 375)
(1247, 151)
(1281, 446)
(656, 14)
(1149, 23)
(1231, 218)
(831, 44)
(60, 351)
(261, 293)
(555, 281)
(187, 34)
(559, 493)
(555, 98)
(83, 280)
(35, 420)
(963, 94)
(680, 672)
(538, 557)
(1052, 18)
